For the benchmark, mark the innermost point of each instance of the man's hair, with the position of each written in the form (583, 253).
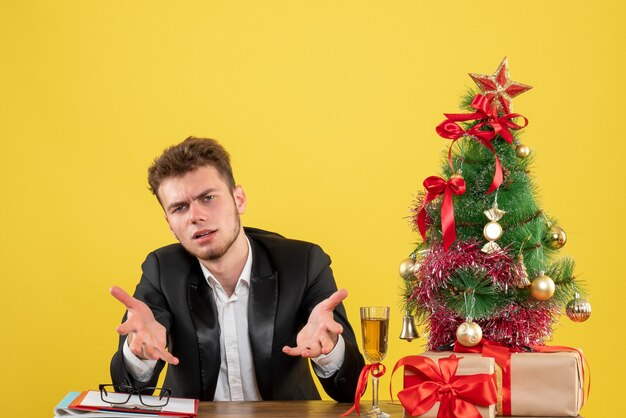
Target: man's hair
(190, 154)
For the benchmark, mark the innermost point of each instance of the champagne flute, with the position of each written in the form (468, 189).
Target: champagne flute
(374, 327)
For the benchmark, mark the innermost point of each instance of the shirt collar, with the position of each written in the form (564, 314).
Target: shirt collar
(243, 277)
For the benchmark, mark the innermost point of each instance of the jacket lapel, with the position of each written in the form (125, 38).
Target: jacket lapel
(204, 316)
(262, 305)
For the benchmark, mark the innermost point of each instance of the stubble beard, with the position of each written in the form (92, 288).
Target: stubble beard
(218, 252)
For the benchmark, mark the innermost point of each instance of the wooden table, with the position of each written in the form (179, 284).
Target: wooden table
(280, 409)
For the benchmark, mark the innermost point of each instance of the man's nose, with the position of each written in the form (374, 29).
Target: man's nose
(196, 214)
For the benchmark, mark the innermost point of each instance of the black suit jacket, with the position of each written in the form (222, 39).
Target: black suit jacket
(289, 278)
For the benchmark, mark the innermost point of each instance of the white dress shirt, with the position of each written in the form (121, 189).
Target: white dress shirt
(236, 380)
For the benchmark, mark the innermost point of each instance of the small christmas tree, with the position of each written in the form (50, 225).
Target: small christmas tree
(487, 266)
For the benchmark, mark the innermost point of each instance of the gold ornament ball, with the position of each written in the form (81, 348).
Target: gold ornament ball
(492, 231)
(522, 151)
(558, 238)
(457, 175)
(469, 334)
(542, 287)
(578, 309)
(406, 268)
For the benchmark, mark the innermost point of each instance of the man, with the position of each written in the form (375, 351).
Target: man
(236, 312)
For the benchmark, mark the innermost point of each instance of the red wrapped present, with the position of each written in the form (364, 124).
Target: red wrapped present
(440, 384)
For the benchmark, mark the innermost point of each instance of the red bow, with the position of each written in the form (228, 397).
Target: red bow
(501, 125)
(457, 395)
(436, 186)
(362, 385)
(502, 356)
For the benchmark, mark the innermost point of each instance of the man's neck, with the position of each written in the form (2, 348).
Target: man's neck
(227, 269)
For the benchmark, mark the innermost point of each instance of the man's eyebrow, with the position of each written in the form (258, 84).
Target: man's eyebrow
(175, 204)
(199, 195)
(206, 192)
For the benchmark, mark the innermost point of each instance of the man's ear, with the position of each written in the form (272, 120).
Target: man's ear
(240, 199)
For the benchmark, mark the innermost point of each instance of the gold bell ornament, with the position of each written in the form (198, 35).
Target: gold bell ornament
(409, 331)
(578, 309)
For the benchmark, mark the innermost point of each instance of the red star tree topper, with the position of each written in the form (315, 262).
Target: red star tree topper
(500, 87)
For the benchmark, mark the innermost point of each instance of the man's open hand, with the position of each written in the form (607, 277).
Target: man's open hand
(320, 334)
(147, 338)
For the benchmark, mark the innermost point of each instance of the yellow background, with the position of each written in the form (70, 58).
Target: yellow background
(328, 109)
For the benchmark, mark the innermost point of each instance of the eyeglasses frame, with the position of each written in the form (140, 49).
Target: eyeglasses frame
(130, 390)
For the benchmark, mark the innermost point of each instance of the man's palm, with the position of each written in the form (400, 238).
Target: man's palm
(147, 338)
(320, 334)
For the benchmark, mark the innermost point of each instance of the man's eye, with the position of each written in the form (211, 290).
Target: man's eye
(179, 208)
(208, 197)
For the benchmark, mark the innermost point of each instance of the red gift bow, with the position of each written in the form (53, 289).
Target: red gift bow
(457, 395)
(502, 356)
(362, 385)
(501, 125)
(436, 186)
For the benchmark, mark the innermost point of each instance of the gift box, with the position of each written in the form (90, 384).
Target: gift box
(445, 384)
(547, 382)
(544, 384)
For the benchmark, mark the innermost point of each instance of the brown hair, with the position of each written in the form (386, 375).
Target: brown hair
(190, 154)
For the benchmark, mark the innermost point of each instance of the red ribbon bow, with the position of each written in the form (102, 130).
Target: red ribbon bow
(361, 385)
(436, 186)
(501, 125)
(502, 356)
(457, 395)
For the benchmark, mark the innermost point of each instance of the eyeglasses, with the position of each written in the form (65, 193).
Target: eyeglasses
(121, 395)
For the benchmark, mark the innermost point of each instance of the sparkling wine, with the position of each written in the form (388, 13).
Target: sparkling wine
(375, 333)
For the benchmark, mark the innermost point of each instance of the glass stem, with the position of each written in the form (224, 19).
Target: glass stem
(374, 392)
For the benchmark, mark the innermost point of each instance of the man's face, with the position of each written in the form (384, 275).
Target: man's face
(202, 211)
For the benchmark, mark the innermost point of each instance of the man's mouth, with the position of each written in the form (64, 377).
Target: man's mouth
(202, 234)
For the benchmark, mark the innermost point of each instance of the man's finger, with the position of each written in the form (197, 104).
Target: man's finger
(292, 351)
(335, 328)
(152, 352)
(126, 328)
(329, 325)
(164, 355)
(121, 295)
(312, 353)
(325, 343)
(168, 357)
(335, 299)
(136, 347)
